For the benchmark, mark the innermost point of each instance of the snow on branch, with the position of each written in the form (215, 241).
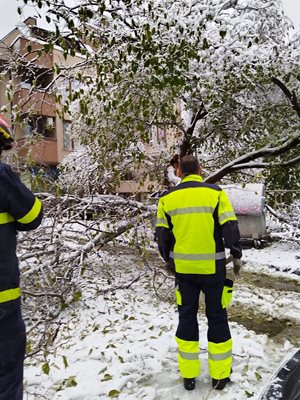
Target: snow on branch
(54, 258)
(284, 145)
(245, 160)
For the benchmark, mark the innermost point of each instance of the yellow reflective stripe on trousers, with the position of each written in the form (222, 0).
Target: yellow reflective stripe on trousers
(222, 356)
(220, 359)
(226, 216)
(10, 294)
(32, 214)
(5, 218)
(188, 358)
(197, 257)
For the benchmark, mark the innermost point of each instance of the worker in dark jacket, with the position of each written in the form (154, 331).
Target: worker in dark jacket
(194, 222)
(20, 210)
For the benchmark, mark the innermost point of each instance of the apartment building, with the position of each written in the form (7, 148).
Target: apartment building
(42, 134)
(34, 85)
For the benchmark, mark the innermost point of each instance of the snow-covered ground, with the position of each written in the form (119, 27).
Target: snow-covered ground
(120, 344)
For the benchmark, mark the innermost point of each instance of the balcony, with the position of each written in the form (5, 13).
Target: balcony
(132, 186)
(40, 151)
(44, 60)
(35, 101)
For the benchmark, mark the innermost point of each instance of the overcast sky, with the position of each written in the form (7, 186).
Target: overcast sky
(9, 17)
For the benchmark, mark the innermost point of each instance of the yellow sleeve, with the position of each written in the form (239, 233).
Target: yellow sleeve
(161, 219)
(225, 210)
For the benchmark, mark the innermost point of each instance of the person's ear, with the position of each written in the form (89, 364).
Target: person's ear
(180, 173)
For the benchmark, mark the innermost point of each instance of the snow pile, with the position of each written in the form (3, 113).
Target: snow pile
(120, 343)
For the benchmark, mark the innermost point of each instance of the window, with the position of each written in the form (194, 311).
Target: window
(40, 78)
(41, 125)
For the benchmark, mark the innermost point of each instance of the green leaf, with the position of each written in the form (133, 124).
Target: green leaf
(113, 393)
(245, 369)
(28, 346)
(249, 394)
(29, 48)
(48, 47)
(46, 368)
(71, 382)
(107, 377)
(65, 361)
(258, 376)
(77, 296)
(205, 44)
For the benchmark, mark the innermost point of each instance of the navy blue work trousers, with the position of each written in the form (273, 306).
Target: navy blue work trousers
(190, 289)
(12, 351)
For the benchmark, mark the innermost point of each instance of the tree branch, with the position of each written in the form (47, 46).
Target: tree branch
(289, 144)
(290, 95)
(281, 217)
(289, 163)
(185, 147)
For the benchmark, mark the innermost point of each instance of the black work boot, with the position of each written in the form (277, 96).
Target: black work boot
(189, 383)
(219, 384)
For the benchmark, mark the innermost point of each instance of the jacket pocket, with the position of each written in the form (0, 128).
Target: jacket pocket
(178, 296)
(227, 293)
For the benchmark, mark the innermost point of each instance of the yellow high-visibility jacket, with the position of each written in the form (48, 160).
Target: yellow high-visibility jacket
(195, 221)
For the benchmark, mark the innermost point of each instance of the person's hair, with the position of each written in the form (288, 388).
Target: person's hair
(174, 160)
(189, 165)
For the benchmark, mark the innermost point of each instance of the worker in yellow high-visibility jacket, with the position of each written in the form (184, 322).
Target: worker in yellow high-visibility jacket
(195, 220)
(20, 210)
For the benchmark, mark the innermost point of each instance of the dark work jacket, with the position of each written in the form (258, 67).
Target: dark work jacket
(20, 210)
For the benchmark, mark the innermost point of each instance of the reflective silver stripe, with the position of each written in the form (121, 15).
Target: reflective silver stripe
(213, 256)
(188, 356)
(191, 210)
(226, 215)
(221, 356)
(161, 221)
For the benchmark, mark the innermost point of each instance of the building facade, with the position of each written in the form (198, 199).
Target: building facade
(31, 88)
(33, 85)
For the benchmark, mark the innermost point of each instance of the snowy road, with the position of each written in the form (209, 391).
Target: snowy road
(121, 344)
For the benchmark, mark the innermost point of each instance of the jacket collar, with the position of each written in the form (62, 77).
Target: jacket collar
(192, 177)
